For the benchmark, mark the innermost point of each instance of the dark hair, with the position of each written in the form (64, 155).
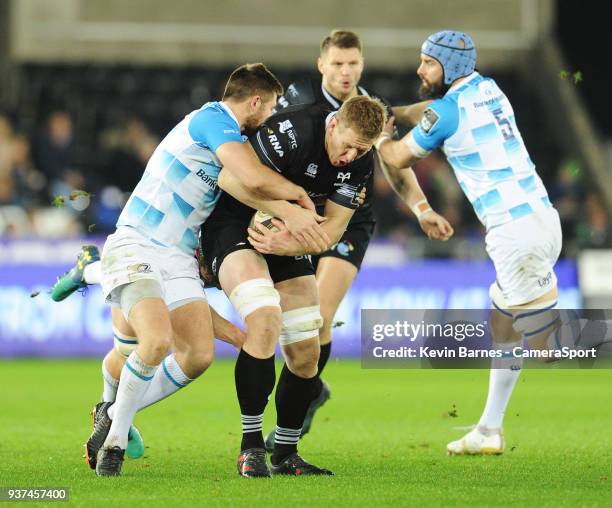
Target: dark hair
(343, 39)
(251, 79)
(367, 116)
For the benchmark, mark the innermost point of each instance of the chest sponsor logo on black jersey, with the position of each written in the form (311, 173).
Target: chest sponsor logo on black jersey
(343, 176)
(292, 91)
(275, 143)
(286, 127)
(349, 191)
(311, 170)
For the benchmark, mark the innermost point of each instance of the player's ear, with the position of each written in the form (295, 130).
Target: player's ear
(255, 100)
(320, 65)
(333, 123)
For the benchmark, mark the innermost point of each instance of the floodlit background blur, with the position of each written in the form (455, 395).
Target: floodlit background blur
(89, 87)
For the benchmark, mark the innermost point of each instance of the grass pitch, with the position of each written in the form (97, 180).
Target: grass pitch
(383, 433)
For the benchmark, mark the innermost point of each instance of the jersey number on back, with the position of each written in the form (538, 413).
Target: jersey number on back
(504, 124)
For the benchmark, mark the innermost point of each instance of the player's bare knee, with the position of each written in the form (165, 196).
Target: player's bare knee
(196, 362)
(302, 357)
(153, 350)
(265, 322)
(501, 327)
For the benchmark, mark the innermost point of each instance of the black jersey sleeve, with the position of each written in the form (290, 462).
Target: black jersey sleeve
(299, 92)
(275, 142)
(353, 178)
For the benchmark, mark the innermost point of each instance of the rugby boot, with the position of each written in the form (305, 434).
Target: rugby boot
(135, 447)
(294, 465)
(101, 427)
(252, 463)
(479, 441)
(110, 460)
(73, 280)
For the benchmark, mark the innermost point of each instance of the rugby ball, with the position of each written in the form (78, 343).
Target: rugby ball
(262, 220)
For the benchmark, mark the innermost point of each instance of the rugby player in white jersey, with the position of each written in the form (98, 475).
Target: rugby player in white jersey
(149, 273)
(472, 121)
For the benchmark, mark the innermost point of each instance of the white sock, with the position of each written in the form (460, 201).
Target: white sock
(92, 273)
(135, 379)
(110, 384)
(501, 384)
(168, 379)
(502, 378)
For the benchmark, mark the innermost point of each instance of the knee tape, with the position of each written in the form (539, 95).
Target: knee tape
(498, 299)
(137, 291)
(528, 321)
(124, 344)
(300, 324)
(254, 294)
(536, 319)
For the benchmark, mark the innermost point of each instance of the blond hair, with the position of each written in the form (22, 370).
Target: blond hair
(367, 116)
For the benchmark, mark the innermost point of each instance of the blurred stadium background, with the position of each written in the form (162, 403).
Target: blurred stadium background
(87, 89)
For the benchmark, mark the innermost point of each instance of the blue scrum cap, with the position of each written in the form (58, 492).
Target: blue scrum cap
(454, 50)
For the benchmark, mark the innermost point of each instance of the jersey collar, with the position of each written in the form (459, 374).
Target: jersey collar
(335, 102)
(229, 111)
(330, 98)
(463, 82)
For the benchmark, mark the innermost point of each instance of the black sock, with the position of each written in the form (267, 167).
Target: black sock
(323, 357)
(293, 396)
(254, 383)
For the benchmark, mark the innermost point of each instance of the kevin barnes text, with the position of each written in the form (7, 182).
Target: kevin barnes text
(565, 353)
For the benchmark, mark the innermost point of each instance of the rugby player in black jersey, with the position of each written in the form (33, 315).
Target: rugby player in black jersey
(273, 288)
(341, 64)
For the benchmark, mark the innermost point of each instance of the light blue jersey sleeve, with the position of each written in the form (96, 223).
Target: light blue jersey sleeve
(439, 122)
(212, 128)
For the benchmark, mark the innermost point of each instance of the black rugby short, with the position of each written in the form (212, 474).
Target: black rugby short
(222, 236)
(355, 240)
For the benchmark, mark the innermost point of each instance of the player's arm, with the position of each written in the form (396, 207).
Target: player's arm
(227, 331)
(219, 133)
(439, 122)
(294, 218)
(410, 115)
(405, 184)
(402, 153)
(259, 180)
(339, 209)
(281, 243)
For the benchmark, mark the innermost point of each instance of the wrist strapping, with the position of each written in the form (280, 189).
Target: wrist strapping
(421, 208)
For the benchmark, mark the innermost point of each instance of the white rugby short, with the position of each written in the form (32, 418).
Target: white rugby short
(524, 253)
(128, 256)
